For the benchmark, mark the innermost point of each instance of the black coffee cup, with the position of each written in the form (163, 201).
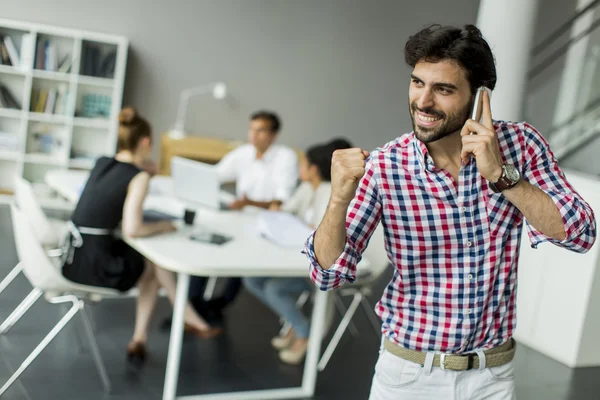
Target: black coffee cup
(189, 216)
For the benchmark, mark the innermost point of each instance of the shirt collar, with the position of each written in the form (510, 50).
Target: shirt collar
(268, 156)
(422, 153)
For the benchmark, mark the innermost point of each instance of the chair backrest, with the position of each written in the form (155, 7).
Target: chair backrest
(28, 204)
(37, 266)
(376, 254)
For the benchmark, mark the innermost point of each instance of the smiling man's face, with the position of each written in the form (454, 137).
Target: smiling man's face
(439, 99)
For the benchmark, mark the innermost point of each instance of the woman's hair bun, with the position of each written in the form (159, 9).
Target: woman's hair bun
(127, 115)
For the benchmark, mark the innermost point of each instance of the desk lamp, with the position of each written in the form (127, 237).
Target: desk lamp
(218, 90)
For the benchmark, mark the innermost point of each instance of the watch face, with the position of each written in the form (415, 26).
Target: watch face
(512, 173)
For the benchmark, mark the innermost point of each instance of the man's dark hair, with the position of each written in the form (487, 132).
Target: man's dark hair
(465, 46)
(273, 119)
(320, 156)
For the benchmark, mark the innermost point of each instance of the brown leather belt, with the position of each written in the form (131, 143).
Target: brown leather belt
(499, 355)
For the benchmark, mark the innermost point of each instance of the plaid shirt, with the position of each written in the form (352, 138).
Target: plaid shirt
(454, 245)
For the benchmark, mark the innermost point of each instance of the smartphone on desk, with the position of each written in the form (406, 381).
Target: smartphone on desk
(210, 237)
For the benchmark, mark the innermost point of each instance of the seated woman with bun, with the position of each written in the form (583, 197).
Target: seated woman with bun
(113, 196)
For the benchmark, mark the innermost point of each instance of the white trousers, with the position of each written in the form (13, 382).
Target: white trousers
(398, 379)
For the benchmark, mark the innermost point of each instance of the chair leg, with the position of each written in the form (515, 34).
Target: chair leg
(95, 350)
(339, 304)
(79, 334)
(369, 310)
(337, 336)
(77, 304)
(21, 309)
(10, 277)
(209, 290)
(303, 298)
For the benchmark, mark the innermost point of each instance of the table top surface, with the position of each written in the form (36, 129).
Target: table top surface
(247, 254)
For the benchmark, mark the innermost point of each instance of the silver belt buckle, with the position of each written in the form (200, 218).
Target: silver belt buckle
(443, 361)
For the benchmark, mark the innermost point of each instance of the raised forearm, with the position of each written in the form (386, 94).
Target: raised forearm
(538, 208)
(330, 237)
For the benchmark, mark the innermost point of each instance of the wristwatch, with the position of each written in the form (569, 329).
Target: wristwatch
(510, 177)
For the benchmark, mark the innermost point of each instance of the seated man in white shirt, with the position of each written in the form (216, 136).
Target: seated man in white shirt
(262, 170)
(265, 173)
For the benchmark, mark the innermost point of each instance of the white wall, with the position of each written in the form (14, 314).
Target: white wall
(559, 291)
(332, 67)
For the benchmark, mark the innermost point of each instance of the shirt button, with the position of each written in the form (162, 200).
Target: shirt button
(468, 311)
(464, 209)
(469, 244)
(470, 276)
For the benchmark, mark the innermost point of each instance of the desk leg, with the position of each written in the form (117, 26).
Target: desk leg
(309, 378)
(174, 356)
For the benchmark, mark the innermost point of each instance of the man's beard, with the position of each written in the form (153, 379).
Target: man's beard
(452, 123)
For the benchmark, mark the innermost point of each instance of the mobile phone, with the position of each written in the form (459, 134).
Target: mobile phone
(477, 111)
(211, 238)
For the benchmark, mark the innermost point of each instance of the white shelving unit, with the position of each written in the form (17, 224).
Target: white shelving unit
(80, 124)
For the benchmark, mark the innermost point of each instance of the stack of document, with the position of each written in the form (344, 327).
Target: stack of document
(283, 229)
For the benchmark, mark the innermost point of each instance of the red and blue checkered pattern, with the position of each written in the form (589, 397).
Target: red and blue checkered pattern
(454, 245)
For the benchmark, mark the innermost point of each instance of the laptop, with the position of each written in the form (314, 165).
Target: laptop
(196, 183)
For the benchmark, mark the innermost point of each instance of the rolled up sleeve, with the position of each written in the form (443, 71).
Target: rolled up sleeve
(542, 171)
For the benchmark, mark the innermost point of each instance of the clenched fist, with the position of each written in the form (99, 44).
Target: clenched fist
(347, 168)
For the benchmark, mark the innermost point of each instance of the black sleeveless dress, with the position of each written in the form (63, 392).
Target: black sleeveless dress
(104, 260)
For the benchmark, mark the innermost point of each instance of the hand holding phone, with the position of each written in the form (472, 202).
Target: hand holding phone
(480, 140)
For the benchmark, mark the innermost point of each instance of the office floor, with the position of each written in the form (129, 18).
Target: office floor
(240, 360)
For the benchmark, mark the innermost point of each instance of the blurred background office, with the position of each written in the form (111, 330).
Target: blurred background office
(332, 67)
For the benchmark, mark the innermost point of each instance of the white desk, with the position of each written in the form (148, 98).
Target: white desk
(239, 257)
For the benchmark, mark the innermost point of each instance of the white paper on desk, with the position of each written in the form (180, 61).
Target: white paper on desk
(283, 229)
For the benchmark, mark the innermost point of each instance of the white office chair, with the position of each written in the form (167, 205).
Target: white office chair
(47, 231)
(376, 255)
(43, 274)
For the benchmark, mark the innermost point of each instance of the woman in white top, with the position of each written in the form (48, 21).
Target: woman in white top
(309, 203)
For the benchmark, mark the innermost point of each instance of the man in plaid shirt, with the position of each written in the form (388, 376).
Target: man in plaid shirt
(452, 197)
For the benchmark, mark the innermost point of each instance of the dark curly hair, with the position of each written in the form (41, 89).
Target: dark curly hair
(465, 46)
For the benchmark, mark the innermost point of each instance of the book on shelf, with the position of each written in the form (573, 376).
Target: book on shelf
(46, 57)
(50, 60)
(50, 101)
(7, 100)
(94, 64)
(4, 57)
(65, 64)
(8, 52)
(27, 51)
(12, 51)
(10, 55)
